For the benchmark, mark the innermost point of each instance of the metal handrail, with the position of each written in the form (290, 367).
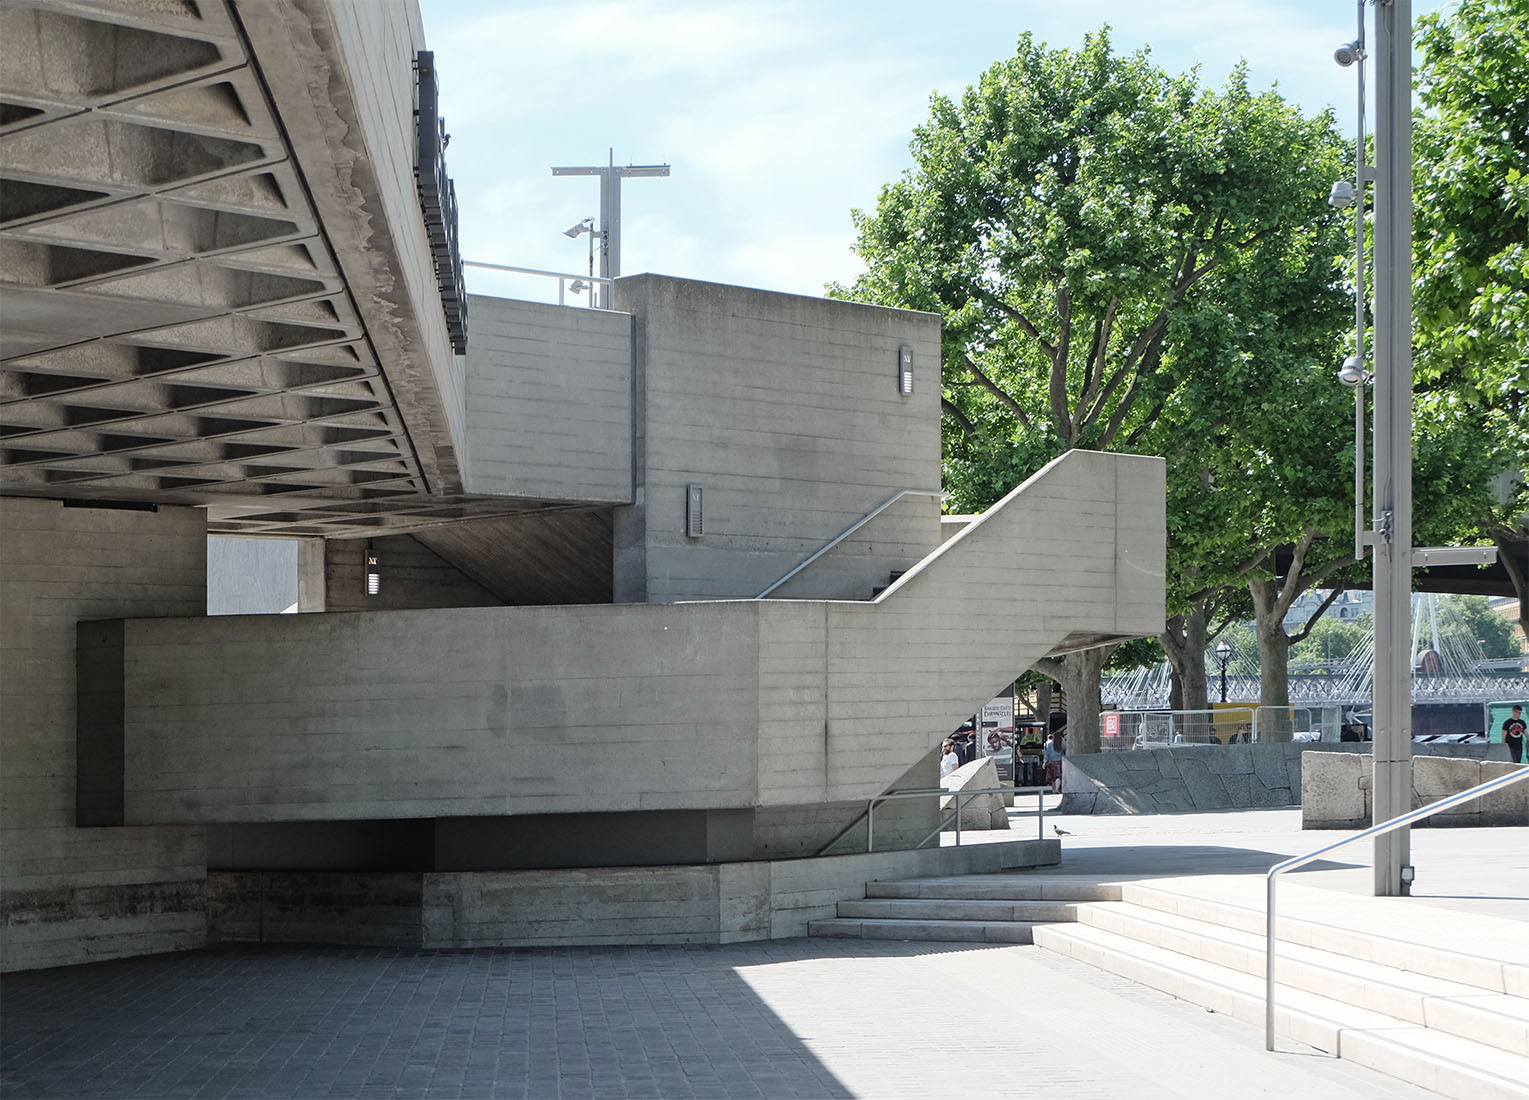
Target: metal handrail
(850, 530)
(563, 277)
(925, 792)
(1374, 830)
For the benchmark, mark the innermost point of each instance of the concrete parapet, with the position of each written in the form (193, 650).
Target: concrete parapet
(1195, 778)
(1336, 790)
(982, 811)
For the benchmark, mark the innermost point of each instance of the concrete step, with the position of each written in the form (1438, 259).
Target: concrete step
(956, 909)
(945, 931)
(1471, 965)
(995, 888)
(1496, 1019)
(1449, 1064)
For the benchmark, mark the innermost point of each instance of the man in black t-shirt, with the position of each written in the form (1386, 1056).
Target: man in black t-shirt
(1513, 735)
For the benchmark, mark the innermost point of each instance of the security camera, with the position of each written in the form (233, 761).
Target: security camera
(1352, 372)
(1341, 196)
(1349, 52)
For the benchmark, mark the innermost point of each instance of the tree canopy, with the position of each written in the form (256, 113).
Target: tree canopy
(1123, 259)
(1471, 248)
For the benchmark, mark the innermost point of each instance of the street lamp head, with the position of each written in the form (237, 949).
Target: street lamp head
(1352, 373)
(1341, 196)
(586, 225)
(1349, 52)
(1223, 649)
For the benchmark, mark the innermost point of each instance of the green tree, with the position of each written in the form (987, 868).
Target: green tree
(1082, 221)
(1471, 247)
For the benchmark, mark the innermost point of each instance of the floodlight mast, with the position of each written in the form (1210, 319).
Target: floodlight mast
(610, 211)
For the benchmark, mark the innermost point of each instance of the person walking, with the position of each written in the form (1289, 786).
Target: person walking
(1052, 758)
(949, 761)
(1513, 734)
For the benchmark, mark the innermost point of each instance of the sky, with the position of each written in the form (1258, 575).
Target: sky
(777, 117)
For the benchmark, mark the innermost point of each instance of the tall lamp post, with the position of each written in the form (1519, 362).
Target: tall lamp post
(1223, 652)
(1393, 556)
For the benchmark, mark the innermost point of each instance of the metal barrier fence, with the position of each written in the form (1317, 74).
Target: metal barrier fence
(1039, 813)
(1123, 731)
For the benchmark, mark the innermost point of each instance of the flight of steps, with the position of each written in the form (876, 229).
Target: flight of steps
(963, 909)
(1446, 1017)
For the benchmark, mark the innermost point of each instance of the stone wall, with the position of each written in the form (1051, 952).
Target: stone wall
(1337, 791)
(69, 894)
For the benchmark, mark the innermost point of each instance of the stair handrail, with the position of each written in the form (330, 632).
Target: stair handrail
(1395, 823)
(958, 794)
(850, 530)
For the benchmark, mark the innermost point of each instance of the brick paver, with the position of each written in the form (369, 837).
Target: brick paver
(790, 1018)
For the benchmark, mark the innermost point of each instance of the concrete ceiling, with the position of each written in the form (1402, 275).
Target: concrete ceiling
(174, 328)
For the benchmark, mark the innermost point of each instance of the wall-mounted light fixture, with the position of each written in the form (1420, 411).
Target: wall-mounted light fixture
(905, 369)
(373, 573)
(695, 522)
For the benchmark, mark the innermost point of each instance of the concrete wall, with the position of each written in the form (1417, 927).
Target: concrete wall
(718, 903)
(1195, 778)
(778, 705)
(1078, 550)
(1336, 790)
(251, 576)
(784, 409)
(341, 75)
(67, 894)
(462, 712)
(549, 401)
(413, 576)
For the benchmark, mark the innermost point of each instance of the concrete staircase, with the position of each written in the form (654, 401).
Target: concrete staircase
(965, 909)
(1450, 1018)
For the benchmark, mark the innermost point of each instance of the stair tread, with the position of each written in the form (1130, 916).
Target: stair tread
(993, 888)
(1317, 1009)
(1415, 981)
(952, 931)
(958, 909)
(1432, 957)
(1498, 1019)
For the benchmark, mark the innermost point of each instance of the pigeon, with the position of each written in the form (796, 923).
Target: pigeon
(1061, 831)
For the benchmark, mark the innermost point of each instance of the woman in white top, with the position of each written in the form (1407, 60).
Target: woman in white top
(949, 761)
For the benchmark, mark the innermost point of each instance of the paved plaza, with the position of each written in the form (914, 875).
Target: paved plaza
(790, 1018)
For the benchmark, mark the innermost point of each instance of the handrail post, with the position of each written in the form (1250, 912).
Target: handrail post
(870, 826)
(1269, 966)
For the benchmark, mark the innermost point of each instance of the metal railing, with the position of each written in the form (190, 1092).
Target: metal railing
(564, 279)
(926, 792)
(1374, 830)
(848, 531)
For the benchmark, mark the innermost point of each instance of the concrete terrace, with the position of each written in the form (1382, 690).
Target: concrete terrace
(790, 1018)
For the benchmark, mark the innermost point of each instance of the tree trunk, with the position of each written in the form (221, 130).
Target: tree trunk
(1184, 643)
(1079, 675)
(1273, 661)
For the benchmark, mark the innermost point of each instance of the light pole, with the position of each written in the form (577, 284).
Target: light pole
(610, 209)
(585, 225)
(1223, 651)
